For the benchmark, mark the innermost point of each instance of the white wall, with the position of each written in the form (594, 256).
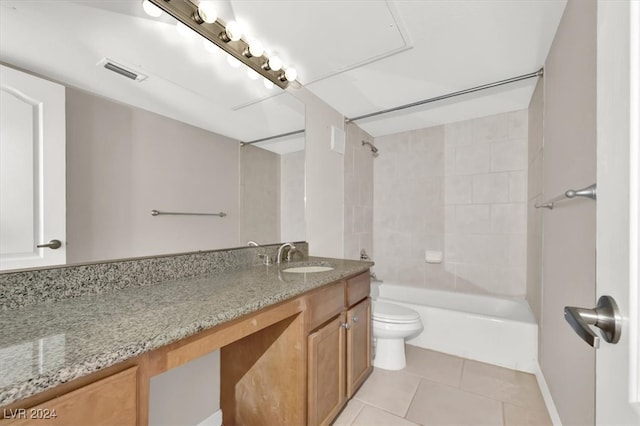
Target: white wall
(122, 162)
(459, 189)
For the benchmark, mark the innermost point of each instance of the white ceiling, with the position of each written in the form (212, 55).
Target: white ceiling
(358, 56)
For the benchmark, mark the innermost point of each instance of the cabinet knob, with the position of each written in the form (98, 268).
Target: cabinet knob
(346, 325)
(354, 318)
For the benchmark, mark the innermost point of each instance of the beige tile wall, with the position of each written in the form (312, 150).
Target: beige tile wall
(460, 189)
(358, 194)
(534, 196)
(259, 195)
(292, 225)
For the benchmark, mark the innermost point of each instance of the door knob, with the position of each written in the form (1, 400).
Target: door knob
(605, 316)
(53, 244)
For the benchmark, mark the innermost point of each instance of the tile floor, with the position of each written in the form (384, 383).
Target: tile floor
(440, 389)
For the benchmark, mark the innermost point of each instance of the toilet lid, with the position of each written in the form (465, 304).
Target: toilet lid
(389, 312)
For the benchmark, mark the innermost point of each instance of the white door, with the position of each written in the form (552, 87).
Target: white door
(32, 171)
(618, 117)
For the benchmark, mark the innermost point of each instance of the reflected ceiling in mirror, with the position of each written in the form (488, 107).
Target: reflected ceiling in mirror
(68, 42)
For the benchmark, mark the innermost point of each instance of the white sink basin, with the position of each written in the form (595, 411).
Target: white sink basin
(308, 269)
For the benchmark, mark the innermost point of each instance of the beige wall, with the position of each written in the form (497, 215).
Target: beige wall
(259, 195)
(568, 242)
(358, 194)
(122, 162)
(459, 189)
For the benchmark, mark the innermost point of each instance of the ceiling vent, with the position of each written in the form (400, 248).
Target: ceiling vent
(121, 69)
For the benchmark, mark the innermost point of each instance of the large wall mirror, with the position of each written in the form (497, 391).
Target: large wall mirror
(169, 140)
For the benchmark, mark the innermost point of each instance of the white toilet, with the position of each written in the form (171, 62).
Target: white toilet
(392, 324)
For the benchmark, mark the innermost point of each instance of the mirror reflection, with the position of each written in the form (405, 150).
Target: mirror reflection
(170, 142)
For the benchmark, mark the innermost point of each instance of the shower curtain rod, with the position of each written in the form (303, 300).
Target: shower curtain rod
(538, 73)
(282, 135)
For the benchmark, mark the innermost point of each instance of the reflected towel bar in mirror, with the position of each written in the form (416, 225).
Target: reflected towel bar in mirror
(588, 192)
(157, 213)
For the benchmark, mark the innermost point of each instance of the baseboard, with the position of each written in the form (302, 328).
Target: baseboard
(546, 395)
(213, 420)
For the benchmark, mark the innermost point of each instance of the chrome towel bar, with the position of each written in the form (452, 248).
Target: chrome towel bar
(157, 213)
(588, 192)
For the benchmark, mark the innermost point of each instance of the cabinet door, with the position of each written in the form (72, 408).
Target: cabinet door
(358, 345)
(327, 372)
(109, 401)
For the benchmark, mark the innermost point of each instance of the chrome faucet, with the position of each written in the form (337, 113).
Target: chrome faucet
(281, 250)
(252, 243)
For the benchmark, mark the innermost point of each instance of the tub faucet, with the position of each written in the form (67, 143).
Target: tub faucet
(281, 251)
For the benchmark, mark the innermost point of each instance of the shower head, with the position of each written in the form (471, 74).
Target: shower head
(373, 148)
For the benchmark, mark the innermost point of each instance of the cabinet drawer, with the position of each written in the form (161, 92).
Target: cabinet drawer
(109, 401)
(358, 288)
(324, 304)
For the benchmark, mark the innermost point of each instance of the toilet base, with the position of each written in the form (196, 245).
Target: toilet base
(390, 354)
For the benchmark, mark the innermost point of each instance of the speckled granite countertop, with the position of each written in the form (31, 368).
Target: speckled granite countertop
(42, 346)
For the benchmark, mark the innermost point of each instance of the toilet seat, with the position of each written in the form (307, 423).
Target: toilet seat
(394, 314)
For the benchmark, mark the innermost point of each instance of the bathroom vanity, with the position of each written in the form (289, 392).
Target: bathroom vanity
(293, 347)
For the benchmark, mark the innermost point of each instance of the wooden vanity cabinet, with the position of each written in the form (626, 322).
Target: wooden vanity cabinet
(358, 345)
(294, 362)
(339, 351)
(327, 369)
(109, 401)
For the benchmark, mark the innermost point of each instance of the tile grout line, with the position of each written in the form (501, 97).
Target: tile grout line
(413, 398)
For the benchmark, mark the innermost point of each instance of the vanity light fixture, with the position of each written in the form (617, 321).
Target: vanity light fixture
(151, 9)
(203, 20)
(206, 12)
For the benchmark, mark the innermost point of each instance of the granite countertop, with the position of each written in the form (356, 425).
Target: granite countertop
(42, 346)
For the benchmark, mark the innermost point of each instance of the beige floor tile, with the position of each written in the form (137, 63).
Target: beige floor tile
(526, 416)
(372, 416)
(513, 387)
(349, 413)
(432, 365)
(389, 390)
(438, 404)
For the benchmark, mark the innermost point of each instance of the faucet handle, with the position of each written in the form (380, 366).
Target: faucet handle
(266, 259)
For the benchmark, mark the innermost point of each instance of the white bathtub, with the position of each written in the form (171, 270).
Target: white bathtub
(494, 330)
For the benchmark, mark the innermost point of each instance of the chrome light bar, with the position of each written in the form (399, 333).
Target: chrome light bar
(187, 13)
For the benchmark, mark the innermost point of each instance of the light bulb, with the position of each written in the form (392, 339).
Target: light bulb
(233, 61)
(233, 31)
(275, 63)
(209, 46)
(255, 48)
(252, 74)
(291, 74)
(207, 12)
(268, 84)
(151, 9)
